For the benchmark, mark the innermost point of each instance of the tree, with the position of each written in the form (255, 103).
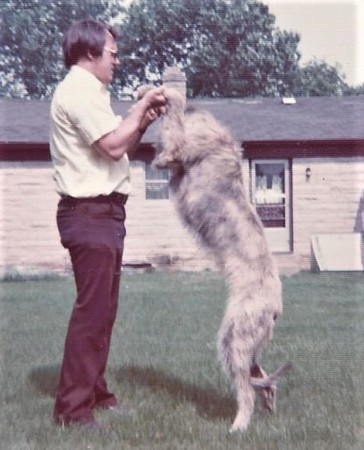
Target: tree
(354, 90)
(318, 78)
(30, 41)
(226, 48)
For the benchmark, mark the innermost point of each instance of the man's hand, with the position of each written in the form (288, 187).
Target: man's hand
(150, 116)
(126, 137)
(154, 98)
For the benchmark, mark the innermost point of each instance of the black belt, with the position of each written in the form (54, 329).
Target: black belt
(115, 197)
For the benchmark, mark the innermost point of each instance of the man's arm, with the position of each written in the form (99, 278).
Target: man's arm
(126, 137)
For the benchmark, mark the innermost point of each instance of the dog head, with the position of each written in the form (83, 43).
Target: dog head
(172, 132)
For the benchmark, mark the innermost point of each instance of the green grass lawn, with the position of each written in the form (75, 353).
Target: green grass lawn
(163, 364)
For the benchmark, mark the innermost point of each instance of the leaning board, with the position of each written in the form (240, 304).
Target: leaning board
(338, 252)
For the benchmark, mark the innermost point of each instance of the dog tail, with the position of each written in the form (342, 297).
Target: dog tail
(271, 380)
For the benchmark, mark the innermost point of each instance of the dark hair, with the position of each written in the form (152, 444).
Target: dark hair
(83, 37)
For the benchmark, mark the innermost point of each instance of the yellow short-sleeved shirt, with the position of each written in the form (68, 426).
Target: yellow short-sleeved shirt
(80, 115)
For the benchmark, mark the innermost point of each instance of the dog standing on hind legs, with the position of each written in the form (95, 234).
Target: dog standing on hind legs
(209, 195)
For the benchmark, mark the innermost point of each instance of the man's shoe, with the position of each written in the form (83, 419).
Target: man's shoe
(121, 410)
(91, 425)
(95, 426)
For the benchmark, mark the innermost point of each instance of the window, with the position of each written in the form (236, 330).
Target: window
(156, 183)
(270, 193)
(271, 196)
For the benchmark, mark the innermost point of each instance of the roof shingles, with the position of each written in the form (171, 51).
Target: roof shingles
(314, 118)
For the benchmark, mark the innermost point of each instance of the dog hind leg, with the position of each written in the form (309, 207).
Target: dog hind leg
(268, 395)
(236, 356)
(245, 401)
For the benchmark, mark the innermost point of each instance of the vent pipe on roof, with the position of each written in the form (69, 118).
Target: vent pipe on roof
(288, 101)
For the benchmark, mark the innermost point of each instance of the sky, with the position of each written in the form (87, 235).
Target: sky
(332, 30)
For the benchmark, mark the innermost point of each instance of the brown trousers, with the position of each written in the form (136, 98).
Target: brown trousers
(93, 231)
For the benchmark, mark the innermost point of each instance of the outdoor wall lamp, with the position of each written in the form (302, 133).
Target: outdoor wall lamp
(308, 173)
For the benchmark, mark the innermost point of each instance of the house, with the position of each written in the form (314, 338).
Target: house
(302, 163)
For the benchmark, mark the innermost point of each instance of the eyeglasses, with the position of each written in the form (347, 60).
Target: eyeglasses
(113, 52)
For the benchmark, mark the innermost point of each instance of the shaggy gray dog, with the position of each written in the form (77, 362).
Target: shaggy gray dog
(209, 195)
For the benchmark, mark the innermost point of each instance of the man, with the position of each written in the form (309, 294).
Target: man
(89, 148)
